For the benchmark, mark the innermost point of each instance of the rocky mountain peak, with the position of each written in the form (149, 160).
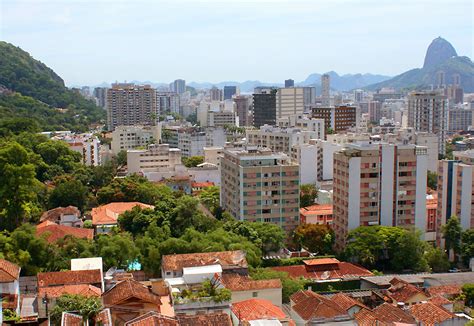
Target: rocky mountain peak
(438, 52)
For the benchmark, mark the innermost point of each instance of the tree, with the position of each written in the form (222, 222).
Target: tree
(452, 235)
(67, 193)
(308, 193)
(407, 252)
(437, 260)
(432, 180)
(117, 250)
(468, 293)
(271, 236)
(467, 246)
(329, 131)
(187, 214)
(316, 238)
(122, 157)
(210, 198)
(193, 161)
(137, 220)
(87, 307)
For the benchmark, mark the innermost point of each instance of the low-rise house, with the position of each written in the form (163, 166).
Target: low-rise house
(324, 270)
(53, 232)
(197, 187)
(384, 315)
(156, 319)
(404, 292)
(10, 286)
(129, 299)
(68, 216)
(105, 217)
(244, 288)
(317, 214)
(442, 302)
(258, 310)
(230, 262)
(349, 304)
(449, 291)
(383, 281)
(308, 307)
(429, 314)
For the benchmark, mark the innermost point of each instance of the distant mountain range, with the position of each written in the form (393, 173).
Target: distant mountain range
(440, 56)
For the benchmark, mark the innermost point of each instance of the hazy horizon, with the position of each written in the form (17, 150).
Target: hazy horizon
(91, 42)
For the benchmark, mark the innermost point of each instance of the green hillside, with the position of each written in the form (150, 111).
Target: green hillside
(42, 92)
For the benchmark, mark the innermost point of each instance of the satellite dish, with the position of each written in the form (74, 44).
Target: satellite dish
(325, 275)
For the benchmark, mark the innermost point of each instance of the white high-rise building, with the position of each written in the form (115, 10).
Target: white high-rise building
(326, 89)
(290, 101)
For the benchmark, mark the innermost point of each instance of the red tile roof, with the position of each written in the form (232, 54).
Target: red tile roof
(82, 289)
(365, 317)
(55, 213)
(344, 271)
(54, 232)
(346, 302)
(388, 313)
(69, 277)
(309, 305)
(439, 300)
(224, 258)
(216, 319)
(129, 289)
(9, 271)
(444, 290)
(202, 184)
(254, 309)
(152, 318)
(430, 314)
(236, 282)
(108, 214)
(321, 261)
(9, 301)
(69, 319)
(401, 291)
(325, 209)
(104, 318)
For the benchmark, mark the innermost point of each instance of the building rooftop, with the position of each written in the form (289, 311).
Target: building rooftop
(255, 309)
(226, 259)
(54, 232)
(342, 270)
(82, 289)
(129, 290)
(108, 214)
(55, 213)
(428, 313)
(325, 209)
(309, 305)
(237, 282)
(70, 277)
(9, 271)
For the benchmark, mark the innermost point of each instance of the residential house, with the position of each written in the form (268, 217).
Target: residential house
(9, 285)
(404, 293)
(53, 232)
(156, 319)
(385, 314)
(129, 299)
(105, 217)
(429, 314)
(258, 310)
(348, 304)
(317, 214)
(244, 288)
(230, 261)
(69, 216)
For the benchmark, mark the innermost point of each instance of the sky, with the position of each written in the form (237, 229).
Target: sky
(89, 42)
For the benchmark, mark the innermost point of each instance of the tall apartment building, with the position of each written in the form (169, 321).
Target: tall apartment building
(153, 159)
(168, 102)
(459, 119)
(264, 106)
(221, 118)
(456, 190)
(381, 184)
(129, 104)
(309, 98)
(130, 137)
(229, 91)
(215, 94)
(339, 118)
(90, 152)
(178, 86)
(375, 111)
(100, 93)
(260, 186)
(242, 108)
(428, 111)
(289, 83)
(191, 141)
(326, 89)
(289, 102)
(358, 95)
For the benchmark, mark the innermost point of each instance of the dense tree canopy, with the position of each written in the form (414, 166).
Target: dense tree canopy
(315, 238)
(308, 193)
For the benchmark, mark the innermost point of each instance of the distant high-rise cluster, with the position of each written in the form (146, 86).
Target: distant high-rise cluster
(178, 86)
(229, 91)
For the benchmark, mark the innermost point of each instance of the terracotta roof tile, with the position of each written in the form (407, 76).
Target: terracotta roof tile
(388, 313)
(325, 209)
(69, 319)
(55, 213)
(365, 317)
(152, 318)
(401, 291)
(9, 301)
(127, 289)
(344, 271)
(69, 277)
(82, 289)
(346, 302)
(104, 318)
(430, 314)
(444, 290)
(108, 214)
(224, 258)
(202, 184)
(309, 305)
(321, 261)
(216, 319)
(55, 232)
(9, 271)
(236, 282)
(439, 300)
(254, 309)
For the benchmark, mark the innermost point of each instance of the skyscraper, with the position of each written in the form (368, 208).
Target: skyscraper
(358, 95)
(215, 94)
(325, 89)
(129, 104)
(427, 111)
(178, 86)
(242, 107)
(289, 101)
(289, 83)
(339, 118)
(379, 184)
(229, 91)
(100, 93)
(264, 106)
(168, 102)
(440, 79)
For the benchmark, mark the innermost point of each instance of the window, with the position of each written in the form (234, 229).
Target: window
(254, 294)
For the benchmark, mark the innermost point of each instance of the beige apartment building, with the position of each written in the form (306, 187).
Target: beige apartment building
(131, 137)
(379, 184)
(260, 186)
(129, 104)
(157, 158)
(289, 101)
(456, 190)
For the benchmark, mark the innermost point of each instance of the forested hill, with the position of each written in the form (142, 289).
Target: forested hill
(21, 73)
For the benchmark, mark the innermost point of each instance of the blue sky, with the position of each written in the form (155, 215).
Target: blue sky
(89, 42)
